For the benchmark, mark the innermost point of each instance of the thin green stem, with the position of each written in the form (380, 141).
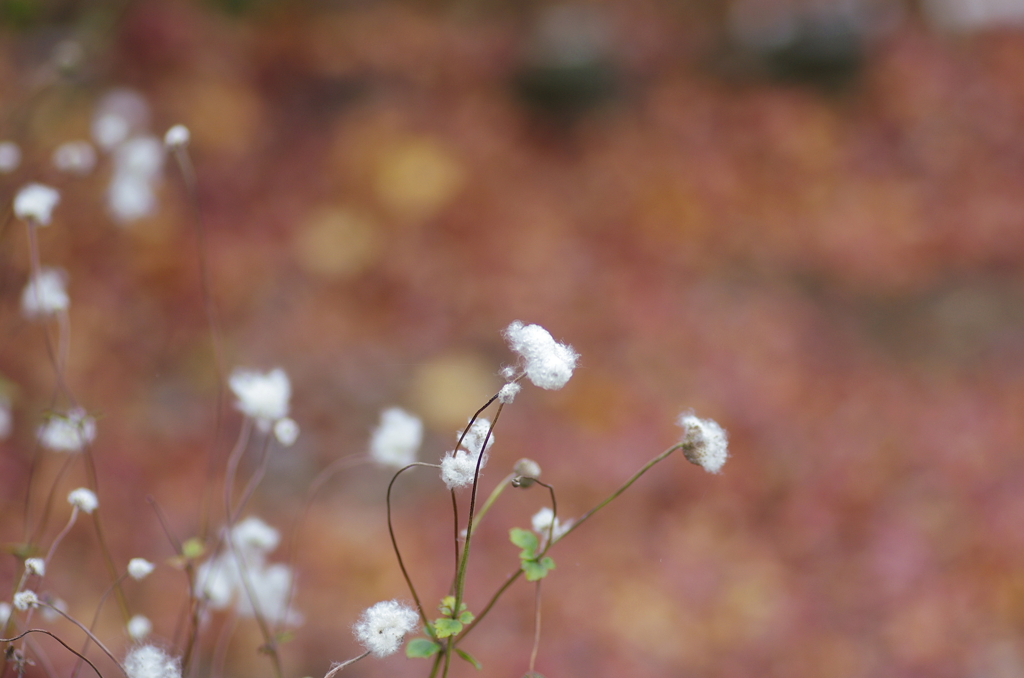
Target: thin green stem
(492, 498)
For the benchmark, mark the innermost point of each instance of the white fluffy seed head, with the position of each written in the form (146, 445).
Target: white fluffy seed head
(704, 442)
(69, 432)
(45, 294)
(23, 600)
(36, 566)
(177, 136)
(84, 499)
(130, 197)
(149, 661)
(397, 438)
(35, 203)
(382, 627)
(139, 627)
(541, 523)
(286, 431)
(473, 441)
(458, 469)
(547, 363)
(5, 612)
(140, 568)
(509, 392)
(262, 396)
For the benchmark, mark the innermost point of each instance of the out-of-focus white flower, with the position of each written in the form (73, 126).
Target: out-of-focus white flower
(68, 433)
(704, 442)
(261, 396)
(270, 586)
(76, 157)
(286, 431)
(149, 661)
(140, 568)
(5, 612)
(142, 157)
(177, 136)
(217, 580)
(25, 599)
(130, 197)
(6, 420)
(84, 499)
(120, 114)
(36, 566)
(547, 363)
(35, 203)
(397, 439)
(139, 627)
(541, 523)
(10, 156)
(52, 612)
(45, 294)
(383, 626)
(252, 534)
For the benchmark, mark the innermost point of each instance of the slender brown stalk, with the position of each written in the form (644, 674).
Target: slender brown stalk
(81, 657)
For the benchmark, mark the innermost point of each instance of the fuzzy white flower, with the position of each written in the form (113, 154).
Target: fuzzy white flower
(5, 612)
(547, 363)
(475, 436)
(36, 566)
(45, 294)
(261, 396)
(149, 661)
(383, 626)
(704, 442)
(509, 392)
(68, 433)
(286, 431)
(177, 136)
(119, 114)
(10, 156)
(52, 612)
(84, 499)
(75, 157)
(217, 580)
(130, 197)
(252, 534)
(139, 627)
(140, 568)
(35, 203)
(397, 439)
(141, 157)
(25, 599)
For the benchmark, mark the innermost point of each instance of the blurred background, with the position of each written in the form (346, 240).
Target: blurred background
(803, 219)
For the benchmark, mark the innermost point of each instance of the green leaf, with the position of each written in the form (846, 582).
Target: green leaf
(466, 616)
(445, 627)
(525, 540)
(469, 658)
(447, 603)
(421, 648)
(537, 569)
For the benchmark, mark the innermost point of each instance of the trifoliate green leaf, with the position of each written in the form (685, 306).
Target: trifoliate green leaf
(421, 648)
(525, 540)
(445, 627)
(537, 569)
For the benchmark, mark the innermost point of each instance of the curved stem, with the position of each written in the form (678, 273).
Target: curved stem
(337, 668)
(398, 553)
(81, 657)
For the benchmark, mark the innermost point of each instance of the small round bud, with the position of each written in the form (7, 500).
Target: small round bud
(139, 627)
(177, 136)
(526, 470)
(84, 499)
(286, 431)
(704, 442)
(140, 568)
(36, 566)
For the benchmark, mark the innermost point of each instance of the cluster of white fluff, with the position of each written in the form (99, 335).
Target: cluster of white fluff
(45, 294)
(383, 626)
(138, 627)
(459, 467)
(10, 156)
(704, 442)
(35, 566)
(83, 499)
(75, 157)
(35, 203)
(220, 580)
(149, 661)
(397, 438)
(140, 568)
(24, 600)
(68, 432)
(264, 397)
(545, 362)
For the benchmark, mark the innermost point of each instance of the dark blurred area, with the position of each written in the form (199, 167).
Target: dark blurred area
(803, 219)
